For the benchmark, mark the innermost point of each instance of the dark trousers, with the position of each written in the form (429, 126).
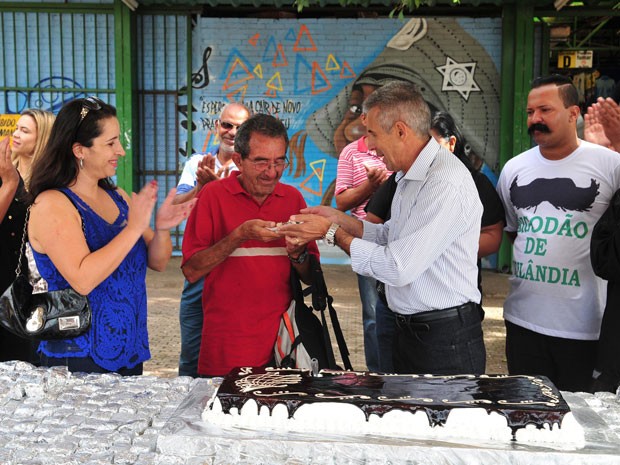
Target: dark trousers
(442, 342)
(86, 365)
(386, 326)
(568, 363)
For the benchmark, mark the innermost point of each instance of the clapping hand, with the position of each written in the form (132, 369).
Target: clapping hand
(609, 116)
(206, 173)
(141, 208)
(593, 130)
(170, 215)
(8, 172)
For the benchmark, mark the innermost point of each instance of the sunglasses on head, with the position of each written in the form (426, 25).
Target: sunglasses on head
(228, 126)
(88, 104)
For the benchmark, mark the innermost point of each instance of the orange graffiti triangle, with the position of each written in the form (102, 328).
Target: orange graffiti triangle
(235, 97)
(271, 93)
(318, 170)
(279, 59)
(304, 186)
(254, 39)
(248, 75)
(304, 33)
(346, 72)
(319, 81)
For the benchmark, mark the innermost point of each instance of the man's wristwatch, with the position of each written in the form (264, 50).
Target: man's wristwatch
(330, 235)
(299, 260)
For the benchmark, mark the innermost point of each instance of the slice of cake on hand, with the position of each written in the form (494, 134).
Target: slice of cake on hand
(488, 407)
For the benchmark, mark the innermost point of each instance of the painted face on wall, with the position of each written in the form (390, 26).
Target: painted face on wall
(451, 68)
(352, 127)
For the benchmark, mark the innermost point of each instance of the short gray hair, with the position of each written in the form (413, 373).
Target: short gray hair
(400, 101)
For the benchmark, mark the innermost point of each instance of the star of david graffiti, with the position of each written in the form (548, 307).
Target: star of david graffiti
(458, 77)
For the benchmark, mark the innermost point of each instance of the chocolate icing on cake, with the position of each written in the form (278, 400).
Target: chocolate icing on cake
(522, 400)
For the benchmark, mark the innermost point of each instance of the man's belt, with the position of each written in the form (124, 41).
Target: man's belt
(435, 315)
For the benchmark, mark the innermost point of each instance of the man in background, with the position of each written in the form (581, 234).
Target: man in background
(553, 195)
(199, 170)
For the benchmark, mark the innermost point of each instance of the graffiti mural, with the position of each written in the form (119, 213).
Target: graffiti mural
(46, 96)
(313, 79)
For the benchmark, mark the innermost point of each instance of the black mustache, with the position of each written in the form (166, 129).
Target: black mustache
(562, 193)
(538, 127)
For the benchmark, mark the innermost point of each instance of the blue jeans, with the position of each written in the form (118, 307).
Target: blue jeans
(386, 326)
(449, 344)
(368, 295)
(190, 319)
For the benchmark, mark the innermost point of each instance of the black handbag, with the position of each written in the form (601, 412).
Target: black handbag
(41, 316)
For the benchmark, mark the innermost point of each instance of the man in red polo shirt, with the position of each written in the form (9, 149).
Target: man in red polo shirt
(246, 265)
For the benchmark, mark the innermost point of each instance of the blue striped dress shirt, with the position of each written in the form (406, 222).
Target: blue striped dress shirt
(426, 253)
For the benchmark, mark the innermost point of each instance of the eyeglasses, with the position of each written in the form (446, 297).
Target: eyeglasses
(88, 104)
(228, 126)
(262, 165)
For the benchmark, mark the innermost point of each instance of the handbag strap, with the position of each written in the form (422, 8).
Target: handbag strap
(321, 300)
(22, 248)
(18, 270)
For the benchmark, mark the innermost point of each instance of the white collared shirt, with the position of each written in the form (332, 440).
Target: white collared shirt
(426, 253)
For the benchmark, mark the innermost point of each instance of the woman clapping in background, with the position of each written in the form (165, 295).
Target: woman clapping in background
(29, 140)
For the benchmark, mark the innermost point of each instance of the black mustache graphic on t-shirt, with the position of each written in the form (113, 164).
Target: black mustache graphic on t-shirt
(562, 193)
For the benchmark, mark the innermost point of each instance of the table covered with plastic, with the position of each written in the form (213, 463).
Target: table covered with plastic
(50, 416)
(187, 435)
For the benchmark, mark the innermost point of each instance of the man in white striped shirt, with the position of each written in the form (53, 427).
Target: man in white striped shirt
(360, 173)
(426, 253)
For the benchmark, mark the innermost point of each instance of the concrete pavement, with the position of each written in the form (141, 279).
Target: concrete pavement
(164, 291)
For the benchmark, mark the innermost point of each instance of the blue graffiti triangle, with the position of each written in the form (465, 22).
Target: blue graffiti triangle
(319, 81)
(270, 50)
(290, 35)
(239, 72)
(302, 75)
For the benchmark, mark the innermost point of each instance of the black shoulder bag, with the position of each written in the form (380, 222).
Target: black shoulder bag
(303, 339)
(47, 315)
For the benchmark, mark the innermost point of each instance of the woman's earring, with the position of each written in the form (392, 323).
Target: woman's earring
(81, 163)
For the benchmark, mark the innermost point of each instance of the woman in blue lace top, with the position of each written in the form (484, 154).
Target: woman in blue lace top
(88, 234)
